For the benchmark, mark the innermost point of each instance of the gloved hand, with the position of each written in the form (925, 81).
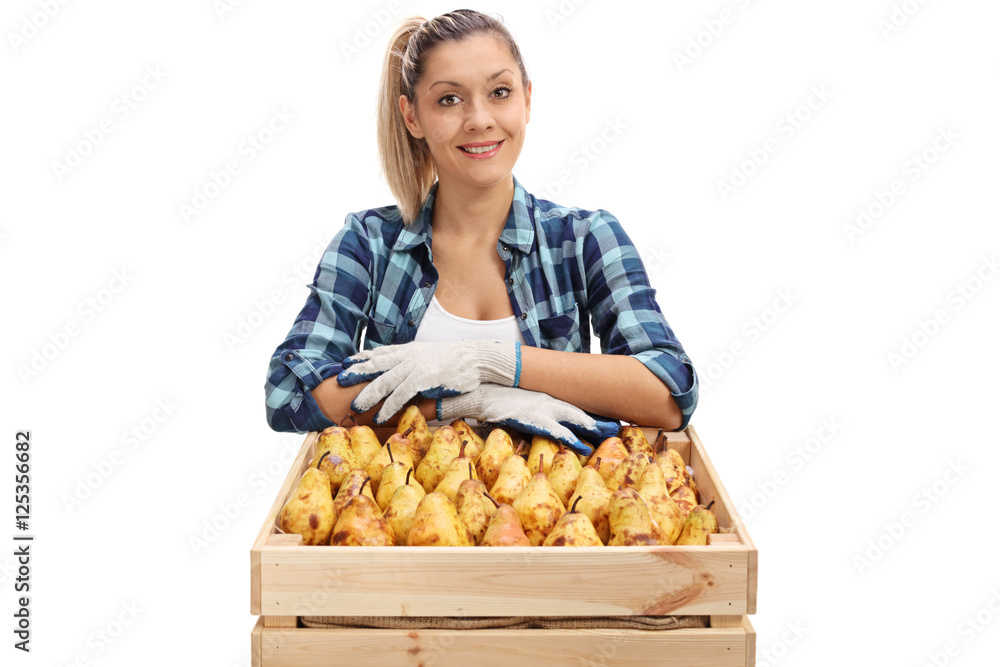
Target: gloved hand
(434, 370)
(530, 412)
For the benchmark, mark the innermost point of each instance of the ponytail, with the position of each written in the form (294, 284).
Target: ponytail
(406, 161)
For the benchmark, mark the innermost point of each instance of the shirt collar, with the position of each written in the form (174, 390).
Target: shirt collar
(519, 232)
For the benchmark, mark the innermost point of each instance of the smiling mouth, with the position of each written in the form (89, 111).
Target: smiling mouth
(475, 150)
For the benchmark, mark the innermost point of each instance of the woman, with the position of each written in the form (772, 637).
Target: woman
(476, 297)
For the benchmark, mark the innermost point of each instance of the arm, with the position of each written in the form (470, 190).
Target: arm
(335, 400)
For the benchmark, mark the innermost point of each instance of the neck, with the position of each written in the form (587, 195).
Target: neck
(464, 210)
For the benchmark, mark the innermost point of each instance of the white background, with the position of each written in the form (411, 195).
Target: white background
(832, 565)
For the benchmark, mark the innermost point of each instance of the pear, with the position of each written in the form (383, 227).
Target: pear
(594, 496)
(628, 471)
(471, 510)
(396, 448)
(436, 524)
(701, 523)
(631, 522)
(393, 476)
(459, 470)
(355, 482)
(420, 435)
(498, 447)
(563, 474)
(335, 445)
(540, 445)
(402, 508)
(674, 479)
(511, 480)
(504, 529)
(611, 452)
(677, 461)
(573, 529)
(685, 499)
(634, 439)
(538, 507)
(664, 510)
(445, 446)
(466, 432)
(309, 512)
(364, 442)
(362, 525)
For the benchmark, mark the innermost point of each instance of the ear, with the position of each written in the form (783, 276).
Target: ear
(409, 112)
(527, 103)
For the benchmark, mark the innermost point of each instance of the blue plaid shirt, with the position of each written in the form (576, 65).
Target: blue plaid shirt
(564, 266)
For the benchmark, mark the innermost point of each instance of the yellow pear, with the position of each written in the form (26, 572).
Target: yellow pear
(607, 456)
(420, 436)
(563, 474)
(436, 524)
(466, 432)
(469, 502)
(631, 522)
(504, 529)
(396, 448)
(628, 471)
(594, 496)
(538, 507)
(354, 483)
(393, 476)
(573, 529)
(701, 523)
(511, 480)
(542, 447)
(362, 525)
(634, 439)
(309, 512)
(498, 447)
(334, 449)
(364, 442)
(402, 508)
(459, 470)
(685, 499)
(445, 446)
(653, 490)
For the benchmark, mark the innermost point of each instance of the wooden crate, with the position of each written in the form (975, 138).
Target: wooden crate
(288, 580)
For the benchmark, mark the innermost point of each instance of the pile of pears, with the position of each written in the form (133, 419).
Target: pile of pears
(452, 488)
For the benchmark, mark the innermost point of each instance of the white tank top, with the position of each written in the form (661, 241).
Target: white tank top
(438, 325)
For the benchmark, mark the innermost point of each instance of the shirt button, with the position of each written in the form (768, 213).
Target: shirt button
(524, 316)
(427, 284)
(289, 356)
(510, 281)
(412, 322)
(504, 248)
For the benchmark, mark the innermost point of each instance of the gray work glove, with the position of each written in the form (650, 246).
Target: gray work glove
(398, 373)
(529, 412)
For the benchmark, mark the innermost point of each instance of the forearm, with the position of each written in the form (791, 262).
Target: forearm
(335, 402)
(612, 385)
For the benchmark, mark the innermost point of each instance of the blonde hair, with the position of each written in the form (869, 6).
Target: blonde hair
(406, 161)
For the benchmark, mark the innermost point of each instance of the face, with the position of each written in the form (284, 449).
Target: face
(471, 109)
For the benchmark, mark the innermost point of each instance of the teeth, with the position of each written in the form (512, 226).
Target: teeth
(481, 149)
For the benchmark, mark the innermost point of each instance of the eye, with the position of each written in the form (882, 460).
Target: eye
(449, 96)
(504, 92)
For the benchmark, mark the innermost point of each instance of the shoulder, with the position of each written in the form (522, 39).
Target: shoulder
(558, 222)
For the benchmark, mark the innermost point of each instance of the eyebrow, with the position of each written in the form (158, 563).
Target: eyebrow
(458, 85)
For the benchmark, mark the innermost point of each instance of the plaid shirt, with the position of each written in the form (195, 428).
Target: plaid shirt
(563, 266)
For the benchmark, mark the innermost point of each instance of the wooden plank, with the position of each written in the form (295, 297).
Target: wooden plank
(280, 621)
(751, 651)
(723, 538)
(726, 621)
(725, 510)
(291, 481)
(701, 647)
(255, 656)
(284, 540)
(517, 581)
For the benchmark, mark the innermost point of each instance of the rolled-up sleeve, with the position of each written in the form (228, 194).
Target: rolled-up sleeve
(626, 315)
(326, 331)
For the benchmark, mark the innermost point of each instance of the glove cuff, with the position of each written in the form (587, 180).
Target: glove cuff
(461, 406)
(499, 362)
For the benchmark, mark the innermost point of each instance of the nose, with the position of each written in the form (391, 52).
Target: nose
(478, 117)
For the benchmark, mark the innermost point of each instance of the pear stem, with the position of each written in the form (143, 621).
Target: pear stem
(322, 457)
(470, 469)
(349, 416)
(658, 442)
(541, 463)
(520, 447)
(388, 446)
(492, 498)
(408, 476)
(597, 463)
(709, 506)
(362, 487)
(578, 499)
(461, 451)
(407, 432)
